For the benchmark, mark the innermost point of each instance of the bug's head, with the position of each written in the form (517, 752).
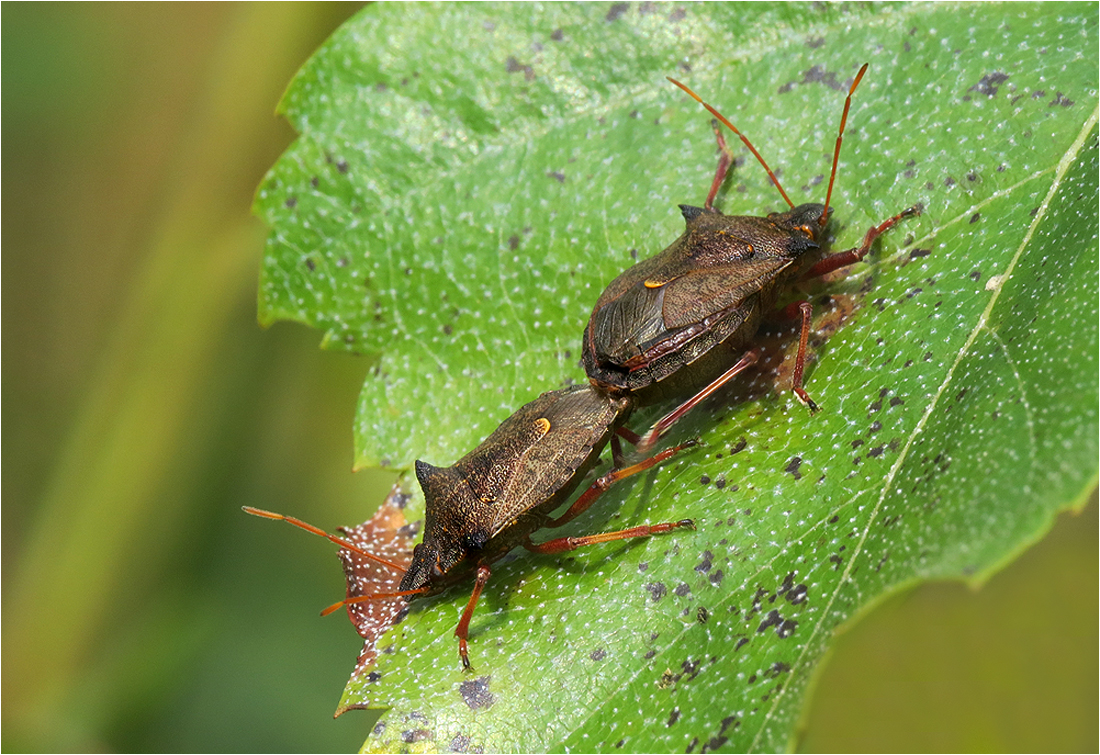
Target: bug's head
(425, 568)
(451, 531)
(804, 224)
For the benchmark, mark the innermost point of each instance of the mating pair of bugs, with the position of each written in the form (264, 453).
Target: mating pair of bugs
(678, 324)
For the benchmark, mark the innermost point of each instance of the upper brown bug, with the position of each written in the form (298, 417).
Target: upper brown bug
(492, 499)
(673, 324)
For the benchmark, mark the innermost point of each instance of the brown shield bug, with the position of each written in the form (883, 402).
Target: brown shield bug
(491, 500)
(673, 324)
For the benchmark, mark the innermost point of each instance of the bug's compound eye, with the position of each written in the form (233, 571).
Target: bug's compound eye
(807, 231)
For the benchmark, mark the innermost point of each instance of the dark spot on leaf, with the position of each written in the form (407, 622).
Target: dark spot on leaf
(949, 181)
(701, 615)
(342, 166)
(989, 83)
(776, 669)
(739, 446)
(704, 480)
(657, 590)
(415, 735)
(514, 66)
(644, 565)
(373, 676)
(792, 467)
(598, 655)
(1060, 101)
(559, 177)
(707, 563)
(513, 242)
(788, 583)
(619, 744)
(691, 745)
(720, 482)
(917, 253)
(557, 35)
(975, 217)
(682, 589)
(291, 202)
(310, 264)
(714, 743)
(876, 425)
(475, 693)
(875, 452)
(815, 75)
(741, 643)
(616, 11)
(649, 654)
(797, 594)
(314, 182)
(815, 42)
(716, 578)
(677, 15)
(460, 743)
(975, 275)
(673, 717)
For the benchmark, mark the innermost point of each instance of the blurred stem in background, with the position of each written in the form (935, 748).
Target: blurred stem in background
(143, 406)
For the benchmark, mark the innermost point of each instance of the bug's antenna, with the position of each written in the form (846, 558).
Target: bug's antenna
(733, 128)
(840, 138)
(345, 544)
(365, 598)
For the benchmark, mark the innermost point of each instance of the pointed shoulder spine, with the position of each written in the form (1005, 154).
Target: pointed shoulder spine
(690, 213)
(425, 472)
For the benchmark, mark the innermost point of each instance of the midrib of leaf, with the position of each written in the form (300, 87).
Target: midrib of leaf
(888, 481)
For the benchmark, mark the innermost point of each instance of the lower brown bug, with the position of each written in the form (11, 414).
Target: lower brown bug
(492, 499)
(672, 324)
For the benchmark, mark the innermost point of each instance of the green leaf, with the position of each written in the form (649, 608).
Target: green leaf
(469, 178)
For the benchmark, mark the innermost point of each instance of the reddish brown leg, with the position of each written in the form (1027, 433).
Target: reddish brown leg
(807, 311)
(662, 425)
(462, 631)
(563, 544)
(600, 486)
(725, 159)
(852, 256)
(628, 435)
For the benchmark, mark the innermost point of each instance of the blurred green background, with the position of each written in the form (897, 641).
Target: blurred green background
(143, 406)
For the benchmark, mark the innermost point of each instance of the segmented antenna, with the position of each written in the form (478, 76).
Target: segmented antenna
(731, 127)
